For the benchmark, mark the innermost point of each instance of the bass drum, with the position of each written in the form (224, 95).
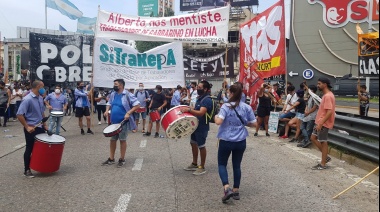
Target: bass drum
(177, 124)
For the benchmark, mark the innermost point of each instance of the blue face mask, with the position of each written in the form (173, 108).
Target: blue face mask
(41, 91)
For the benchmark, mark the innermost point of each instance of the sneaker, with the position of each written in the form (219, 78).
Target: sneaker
(82, 131)
(267, 134)
(147, 134)
(90, 132)
(227, 195)
(284, 137)
(192, 167)
(318, 167)
(200, 170)
(120, 163)
(156, 135)
(328, 159)
(28, 174)
(255, 134)
(108, 162)
(307, 145)
(236, 196)
(293, 140)
(99, 123)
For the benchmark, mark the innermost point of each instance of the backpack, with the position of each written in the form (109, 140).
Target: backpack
(215, 110)
(146, 94)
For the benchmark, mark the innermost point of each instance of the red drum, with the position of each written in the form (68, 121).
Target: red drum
(141, 110)
(47, 153)
(177, 124)
(113, 129)
(154, 115)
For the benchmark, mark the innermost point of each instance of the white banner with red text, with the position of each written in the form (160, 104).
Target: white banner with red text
(162, 65)
(209, 26)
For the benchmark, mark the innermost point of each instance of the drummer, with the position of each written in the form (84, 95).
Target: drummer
(56, 102)
(158, 103)
(143, 97)
(122, 104)
(30, 114)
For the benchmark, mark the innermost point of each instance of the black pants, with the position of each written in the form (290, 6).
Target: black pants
(364, 110)
(101, 110)
(3, 113)
(12, 108)
(29, 138)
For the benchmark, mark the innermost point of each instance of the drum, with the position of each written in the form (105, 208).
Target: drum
(177, 124)
(47, 153)
(56, 114)
(154, 115)
(141, 110)
(113, 129)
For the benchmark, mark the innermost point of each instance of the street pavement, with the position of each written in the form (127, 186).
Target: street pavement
(276, 176)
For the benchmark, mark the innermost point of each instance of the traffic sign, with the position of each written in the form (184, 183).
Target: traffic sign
(291, 74)
(308, 74)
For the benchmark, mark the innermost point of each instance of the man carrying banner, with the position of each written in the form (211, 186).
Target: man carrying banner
(203, 106)
(364, 100)
(158, 103)
(82, 107)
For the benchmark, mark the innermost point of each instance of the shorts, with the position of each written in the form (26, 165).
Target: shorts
(263, 111)
(300, 116)
(82, 111)
(199, 138)
(322, 135)
(288, 115)
(122, 136)
(137, 115)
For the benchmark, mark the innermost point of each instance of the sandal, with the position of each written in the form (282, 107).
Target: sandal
(143, 131)
(134, 131)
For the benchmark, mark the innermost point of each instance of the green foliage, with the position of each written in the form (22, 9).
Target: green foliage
(143, 46)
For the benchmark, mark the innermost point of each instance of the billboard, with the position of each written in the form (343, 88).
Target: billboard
(368, 54)
(147, 7)
(189, 5)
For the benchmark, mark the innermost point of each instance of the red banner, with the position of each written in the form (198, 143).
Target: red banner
(262, 49)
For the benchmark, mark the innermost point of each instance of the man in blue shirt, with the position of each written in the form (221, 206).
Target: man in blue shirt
(56, 102)
(198, 138)
(82, 107)
(122, 104)
(30, 114)
(176, 97)
(143, 97)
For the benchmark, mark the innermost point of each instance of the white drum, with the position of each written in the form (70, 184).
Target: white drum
(56, 114)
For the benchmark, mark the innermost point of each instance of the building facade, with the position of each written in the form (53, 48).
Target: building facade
(154, 7)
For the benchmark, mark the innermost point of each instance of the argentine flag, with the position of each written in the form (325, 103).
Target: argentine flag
(65, 7)
(86, 25)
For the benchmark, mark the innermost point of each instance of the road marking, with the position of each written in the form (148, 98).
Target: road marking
(20, 146)
(340, 170)
(138, 164)
(143, 144)
(122, 203)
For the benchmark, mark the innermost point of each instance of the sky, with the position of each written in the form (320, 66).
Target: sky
(31, 13)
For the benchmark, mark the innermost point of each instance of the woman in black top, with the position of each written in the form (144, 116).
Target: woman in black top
(300, 107)
(263, 110)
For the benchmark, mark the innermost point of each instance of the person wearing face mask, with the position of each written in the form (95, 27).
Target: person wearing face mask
(176, 97)
(5, 99)
(243, 96)
(30, 114)
(263, 109)
(100, 97)
(158, 103)
(56, 101)
(143, 97)
(193, 94)
(82, 107)
(203, 106)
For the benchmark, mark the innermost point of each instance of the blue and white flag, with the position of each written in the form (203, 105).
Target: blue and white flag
(61, 28)
(86, 25)
(65, 7)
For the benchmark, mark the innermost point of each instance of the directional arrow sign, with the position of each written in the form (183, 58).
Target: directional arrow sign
(291, 74)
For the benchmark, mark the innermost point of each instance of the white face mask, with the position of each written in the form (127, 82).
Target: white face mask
(155, 90)
(57, 91)
(141, 88)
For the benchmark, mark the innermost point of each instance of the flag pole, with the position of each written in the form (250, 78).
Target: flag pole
(225, 63)
(45, 14)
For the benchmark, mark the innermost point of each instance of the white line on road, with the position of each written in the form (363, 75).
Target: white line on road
(138, 164)
(122, 203)
(20, 146)
(143, 144)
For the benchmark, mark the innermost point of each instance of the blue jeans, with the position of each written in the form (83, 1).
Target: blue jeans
(307, 129)
(55, 121)
(225, 149)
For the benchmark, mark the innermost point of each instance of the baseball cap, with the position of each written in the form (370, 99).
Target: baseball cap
(325, 80)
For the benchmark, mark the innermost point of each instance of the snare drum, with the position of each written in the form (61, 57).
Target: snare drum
(141, 110)
(154, 115)
(47, 153)
(177, 124)
(56, 114)
(113, 129)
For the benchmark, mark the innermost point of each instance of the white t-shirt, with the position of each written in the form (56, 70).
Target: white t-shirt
(292, 99)
(102, 101)
(17, 98)
(194, 95)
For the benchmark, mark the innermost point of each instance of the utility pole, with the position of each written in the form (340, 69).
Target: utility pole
(370, 5)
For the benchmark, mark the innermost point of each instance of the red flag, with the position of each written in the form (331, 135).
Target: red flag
(262, 49)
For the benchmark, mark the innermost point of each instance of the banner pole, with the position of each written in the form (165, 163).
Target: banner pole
(45, 15)
(92, 86)
(225, 63)
(286, 52)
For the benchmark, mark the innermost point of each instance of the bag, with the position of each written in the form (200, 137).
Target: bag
(241, 119)
(210, 118)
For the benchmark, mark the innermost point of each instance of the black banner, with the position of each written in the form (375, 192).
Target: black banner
(60, 58)
(369, 66)
(209, 68)
(189, 5)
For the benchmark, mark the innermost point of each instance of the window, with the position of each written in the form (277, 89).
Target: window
(233, 36)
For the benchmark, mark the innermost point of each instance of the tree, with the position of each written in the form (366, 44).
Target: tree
(143, 46)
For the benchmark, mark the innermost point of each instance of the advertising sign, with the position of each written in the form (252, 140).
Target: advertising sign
(189, 5)
(147, 7)
(368, 54)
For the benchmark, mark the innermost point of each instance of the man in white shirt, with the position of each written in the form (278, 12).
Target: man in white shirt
(193, 94)
(290, 100)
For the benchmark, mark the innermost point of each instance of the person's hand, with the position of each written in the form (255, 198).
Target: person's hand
(318, 127)
(106, 114)
(46, 127)
(306, 114)
(159, 109)
(49, 107)
(30, 129)
(126, 117)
